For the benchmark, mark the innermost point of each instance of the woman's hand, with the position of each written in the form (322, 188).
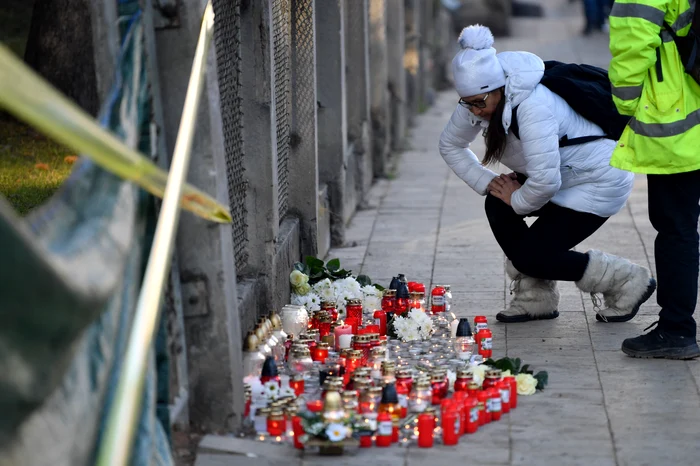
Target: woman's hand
(503, 187)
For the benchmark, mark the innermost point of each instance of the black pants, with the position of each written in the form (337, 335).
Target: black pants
(543, 250)
(673, 211)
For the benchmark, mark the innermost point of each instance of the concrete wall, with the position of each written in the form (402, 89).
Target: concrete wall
(350, 66)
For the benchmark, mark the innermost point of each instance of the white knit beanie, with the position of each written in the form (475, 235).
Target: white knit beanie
(475, 68)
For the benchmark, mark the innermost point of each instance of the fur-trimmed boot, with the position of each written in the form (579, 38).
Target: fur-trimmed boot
(533, 299)
(625, 286)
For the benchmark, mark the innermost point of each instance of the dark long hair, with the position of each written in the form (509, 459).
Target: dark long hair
(496, 133)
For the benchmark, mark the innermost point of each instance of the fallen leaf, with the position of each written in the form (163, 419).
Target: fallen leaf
(41, 166)
(70, 158)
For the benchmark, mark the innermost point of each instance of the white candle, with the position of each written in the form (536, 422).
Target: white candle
(344, 341)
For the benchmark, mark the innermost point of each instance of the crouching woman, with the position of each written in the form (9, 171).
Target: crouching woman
(572, 190)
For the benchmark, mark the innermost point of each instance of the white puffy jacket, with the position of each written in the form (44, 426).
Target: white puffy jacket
(578, 177)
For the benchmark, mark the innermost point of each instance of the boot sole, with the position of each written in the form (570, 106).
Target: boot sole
(685, 353)
(627, 317)
(525, 318)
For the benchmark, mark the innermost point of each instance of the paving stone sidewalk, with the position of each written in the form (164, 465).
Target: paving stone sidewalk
(600, 407)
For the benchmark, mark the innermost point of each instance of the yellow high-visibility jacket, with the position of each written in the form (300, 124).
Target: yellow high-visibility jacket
(650, 84)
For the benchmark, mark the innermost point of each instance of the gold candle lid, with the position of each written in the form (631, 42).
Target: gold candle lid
(276, 321)
(465, 373)
(328, 340)
(300, 352)
(332, 401)
(422, 384)
(260, 333)
(251, 342)
(355, 354)
(276, 415)
(390, 293)
(327, 305)
(354, 302)
(493, 373)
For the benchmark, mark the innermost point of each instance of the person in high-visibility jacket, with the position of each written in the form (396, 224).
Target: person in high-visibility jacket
(662, 140)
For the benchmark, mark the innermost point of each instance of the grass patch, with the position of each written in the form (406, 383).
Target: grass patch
(32, 166)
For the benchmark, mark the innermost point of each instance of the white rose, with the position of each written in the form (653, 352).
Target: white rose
(302, 289)
(478, 373)
(527, 384)
(297, 278)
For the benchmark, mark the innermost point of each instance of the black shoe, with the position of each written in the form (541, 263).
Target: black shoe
(661, 344)
(512, 319)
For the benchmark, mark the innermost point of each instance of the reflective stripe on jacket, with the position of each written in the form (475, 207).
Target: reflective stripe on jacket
(649, 83)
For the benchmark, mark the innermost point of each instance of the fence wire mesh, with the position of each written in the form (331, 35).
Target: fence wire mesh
(304, 69)
(281, 40)
(227, 37)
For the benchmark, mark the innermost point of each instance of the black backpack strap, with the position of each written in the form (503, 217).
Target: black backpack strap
(514, 127)
(565, 141)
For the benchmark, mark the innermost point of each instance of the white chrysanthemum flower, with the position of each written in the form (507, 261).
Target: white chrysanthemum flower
(370, 290)
(370, 303)
(401, 323)
(298, 300)
(426, 330)
(336, 432)
(412, 334)
(272, 390)
(322, 285)
(287, 392)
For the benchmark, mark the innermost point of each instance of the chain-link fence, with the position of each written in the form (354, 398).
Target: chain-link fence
(281, 42)
(304, 72)
(227, 36)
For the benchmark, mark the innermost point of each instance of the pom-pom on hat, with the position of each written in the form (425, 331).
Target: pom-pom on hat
(475, 68)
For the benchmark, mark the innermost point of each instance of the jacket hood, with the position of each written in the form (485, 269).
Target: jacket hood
(523, 71)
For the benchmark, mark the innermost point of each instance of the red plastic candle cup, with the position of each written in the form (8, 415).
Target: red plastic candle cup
(495, 400)
(275, 427)
(513, 391)
(504, 387)
(385, 428)
(485, 411)
(298, 430)
(315, 406)
(449, 427)
(426, 428)
(471, 405)
(296, 383)
(353, 323)
(380, 320)
(365, 441)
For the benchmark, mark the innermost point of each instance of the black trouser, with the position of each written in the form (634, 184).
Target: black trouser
(543, 250)
(673, 211)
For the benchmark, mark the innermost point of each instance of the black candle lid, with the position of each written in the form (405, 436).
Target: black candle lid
(463, 328)
(394, 283)
(389, 394)
(269, 368)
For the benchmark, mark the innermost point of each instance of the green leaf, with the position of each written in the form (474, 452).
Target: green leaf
(312, 262)
(516, 366)
(333, 265)
(364, 280)
(379, 287)
(299, 266)
(542, 378)
(525, 369)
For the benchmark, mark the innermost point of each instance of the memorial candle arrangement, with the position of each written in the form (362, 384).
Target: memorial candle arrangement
(389, 367)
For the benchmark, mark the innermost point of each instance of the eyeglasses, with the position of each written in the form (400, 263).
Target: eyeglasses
(478, 104)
